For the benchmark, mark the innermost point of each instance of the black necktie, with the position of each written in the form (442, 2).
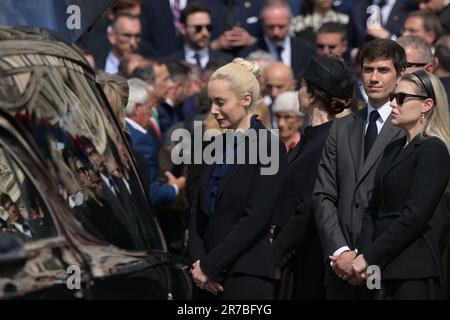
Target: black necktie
(371, 133)
(279, 52)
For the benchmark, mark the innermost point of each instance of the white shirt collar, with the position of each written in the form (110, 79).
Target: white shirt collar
(384, 111)
(135, 125)
(286, 44)
(203, 55)
(112, 64)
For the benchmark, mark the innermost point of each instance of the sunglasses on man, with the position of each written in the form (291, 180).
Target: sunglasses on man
(199, 27)
(415, 64)
(323, 46)
(401, 96)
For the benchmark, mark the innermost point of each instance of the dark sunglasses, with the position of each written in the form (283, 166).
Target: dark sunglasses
(199, 27)
(401, 96)
(415, 64)
(83, 170)
(323, 46)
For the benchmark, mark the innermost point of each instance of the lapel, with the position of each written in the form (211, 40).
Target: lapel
(293, 154)
(356, 139)
(387, 134)
(401, 154)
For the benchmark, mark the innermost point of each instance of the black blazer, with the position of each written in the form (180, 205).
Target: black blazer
(298, 225)
(237, 238)
(213, 55)
(301, 51)
(408, 186)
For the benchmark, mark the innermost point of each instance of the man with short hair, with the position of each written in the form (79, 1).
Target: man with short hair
(196, 28)
(442, 62)
(138, 113)
(124, 37)
(16, 219)
(418, 53)
(441, 8)
(279, 78)
(424, 24)
(347, 169)
(331, 40)
(294, 52)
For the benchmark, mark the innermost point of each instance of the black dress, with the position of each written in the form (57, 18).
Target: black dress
(396, 235)
(297, 245)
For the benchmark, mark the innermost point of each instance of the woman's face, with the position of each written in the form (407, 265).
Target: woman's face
(228, 109)
(408, 114)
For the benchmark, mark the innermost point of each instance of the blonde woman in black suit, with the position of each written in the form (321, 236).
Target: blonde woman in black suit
(412, 176)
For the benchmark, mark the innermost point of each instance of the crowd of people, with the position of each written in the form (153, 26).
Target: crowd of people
(357, 93)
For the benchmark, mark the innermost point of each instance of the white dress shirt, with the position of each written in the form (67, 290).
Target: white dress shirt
(112, 64)
(203, 56)
(286, 54)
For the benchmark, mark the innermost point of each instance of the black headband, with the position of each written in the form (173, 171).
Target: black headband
(426, 82)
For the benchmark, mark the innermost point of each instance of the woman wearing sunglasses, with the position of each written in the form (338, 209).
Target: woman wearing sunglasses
(412, 176)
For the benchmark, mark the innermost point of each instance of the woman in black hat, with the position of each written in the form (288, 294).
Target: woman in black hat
(326, 90)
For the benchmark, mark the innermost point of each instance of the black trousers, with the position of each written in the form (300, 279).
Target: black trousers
(415, 289)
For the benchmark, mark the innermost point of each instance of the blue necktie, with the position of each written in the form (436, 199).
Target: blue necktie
(279, 52)
(371, 133)
(197, 59)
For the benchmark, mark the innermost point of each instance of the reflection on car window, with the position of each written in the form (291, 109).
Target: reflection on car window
(22, 212)
(76, 133)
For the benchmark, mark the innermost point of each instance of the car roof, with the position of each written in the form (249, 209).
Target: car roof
(68, 19)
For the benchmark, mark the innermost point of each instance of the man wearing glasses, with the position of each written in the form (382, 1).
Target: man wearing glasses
(418, 53)
(196, 28)
(331, 40)
(124, 37)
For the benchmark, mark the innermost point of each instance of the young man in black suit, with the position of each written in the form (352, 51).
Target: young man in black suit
(346, 171)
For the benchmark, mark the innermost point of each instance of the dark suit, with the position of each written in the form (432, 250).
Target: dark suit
(158, 29)
(213, 55)
(235, 240)
(148, 146)
(301, 51)
(247, 16)
(446, 83)
(343, 189)
(298, 240)
(358, 19)
(444, 16)
(408, 186)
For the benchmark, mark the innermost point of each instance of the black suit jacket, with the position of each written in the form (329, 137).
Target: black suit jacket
(213, 55)
(237, 238)
(358, 19)
(408, 186)
(301, 51)
(158, 28)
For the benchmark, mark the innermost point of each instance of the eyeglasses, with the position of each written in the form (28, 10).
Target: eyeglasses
(415, 64)
(199, 27)
(82, 170)
(323, 46)
(401, 96)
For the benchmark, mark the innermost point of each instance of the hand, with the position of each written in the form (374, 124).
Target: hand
(179, 182)
(377, 31)
(240, 37)
(213, 287)
(199, 278)
(342, 264)
(278, 272)
(222, 43)
(359, 265)
(355, 280)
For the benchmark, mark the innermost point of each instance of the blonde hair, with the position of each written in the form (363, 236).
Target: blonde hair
(438, 118)
(241, 76)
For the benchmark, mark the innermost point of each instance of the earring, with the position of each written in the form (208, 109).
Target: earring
(423, 116)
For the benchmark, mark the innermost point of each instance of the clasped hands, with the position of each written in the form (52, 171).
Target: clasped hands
(203, 281)
(350, 267)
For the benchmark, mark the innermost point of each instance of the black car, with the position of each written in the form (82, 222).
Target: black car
(70, 194)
